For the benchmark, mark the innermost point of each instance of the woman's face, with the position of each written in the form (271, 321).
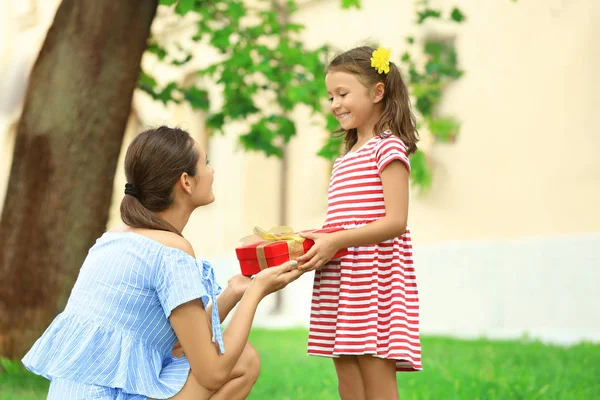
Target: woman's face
(202, 193)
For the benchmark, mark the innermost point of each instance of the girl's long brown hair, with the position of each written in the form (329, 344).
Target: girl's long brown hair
(397, 114)
(154, 162)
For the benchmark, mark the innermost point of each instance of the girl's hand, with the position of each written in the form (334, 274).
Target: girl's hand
(322, 251)
(238, 284)
(276, 278)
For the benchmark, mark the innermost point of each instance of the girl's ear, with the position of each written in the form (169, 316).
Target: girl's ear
(378, 92)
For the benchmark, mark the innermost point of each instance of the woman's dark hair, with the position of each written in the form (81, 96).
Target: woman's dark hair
(397, 113)
(154, 162)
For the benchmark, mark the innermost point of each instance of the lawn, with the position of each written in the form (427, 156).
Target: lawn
(454, 369)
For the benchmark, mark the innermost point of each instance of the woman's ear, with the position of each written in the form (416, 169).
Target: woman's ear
(184, 182)
(378, 92)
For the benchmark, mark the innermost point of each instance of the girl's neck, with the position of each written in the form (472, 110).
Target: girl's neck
(360, 141)
(364, 136)
(365, 132)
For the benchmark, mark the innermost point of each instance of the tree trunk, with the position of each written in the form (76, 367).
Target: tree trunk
(66, 150)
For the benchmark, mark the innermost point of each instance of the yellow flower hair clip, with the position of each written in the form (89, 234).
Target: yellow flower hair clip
(380, 60)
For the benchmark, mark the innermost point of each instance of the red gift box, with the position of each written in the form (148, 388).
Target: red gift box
(281, 245)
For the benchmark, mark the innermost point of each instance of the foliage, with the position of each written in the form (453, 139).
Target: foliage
(259, 54)
(440, 69)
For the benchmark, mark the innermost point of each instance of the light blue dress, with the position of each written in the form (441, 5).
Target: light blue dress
(114, 338)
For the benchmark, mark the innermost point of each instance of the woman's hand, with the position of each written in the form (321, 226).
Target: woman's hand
(238, 284)
(276, 278)
(320, 253)
(177, 350)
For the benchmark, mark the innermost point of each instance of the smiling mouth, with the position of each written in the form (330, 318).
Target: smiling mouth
(342, 116)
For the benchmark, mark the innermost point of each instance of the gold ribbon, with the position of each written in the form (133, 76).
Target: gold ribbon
(275, 234)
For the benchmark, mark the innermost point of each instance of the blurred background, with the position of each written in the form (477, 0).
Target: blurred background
(505, 191)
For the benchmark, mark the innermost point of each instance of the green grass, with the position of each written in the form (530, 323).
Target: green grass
(454, 369)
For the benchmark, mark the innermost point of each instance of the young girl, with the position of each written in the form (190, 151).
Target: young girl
(365, 306)
(142, 300)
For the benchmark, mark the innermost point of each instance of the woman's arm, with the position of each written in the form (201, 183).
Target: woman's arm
(231, 295)
(191, 324)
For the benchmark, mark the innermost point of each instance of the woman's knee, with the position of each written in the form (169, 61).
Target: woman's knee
(250, 362)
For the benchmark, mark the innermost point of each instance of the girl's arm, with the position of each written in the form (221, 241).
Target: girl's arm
(394, 179)
(191, 324)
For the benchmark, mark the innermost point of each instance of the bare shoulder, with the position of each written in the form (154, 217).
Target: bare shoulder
(169, 239)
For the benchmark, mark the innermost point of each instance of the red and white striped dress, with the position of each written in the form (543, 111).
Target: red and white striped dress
(367, 302)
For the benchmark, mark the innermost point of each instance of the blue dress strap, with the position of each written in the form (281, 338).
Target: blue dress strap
(214, 288)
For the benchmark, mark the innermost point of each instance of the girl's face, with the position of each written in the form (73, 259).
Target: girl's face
(352, 103)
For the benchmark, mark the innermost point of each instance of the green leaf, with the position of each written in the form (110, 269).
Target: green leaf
(238, 105)
(286, 128)
(197, 98)
(187, 59)
(216, 121)
(332, 123)
(270, 22)
(457, 15)
(294, 27)
(167, 2)
(427, 13)
(166, 94)
(221, 37)
(332, 147)
(211, 70)
(154, 48)
(185, 6)
(443, 59)
(432, 67)
(297, 94)
(350, 3)
(420, 174)
(444, 129)
(146, 80)
(236, 10)
(260, 138)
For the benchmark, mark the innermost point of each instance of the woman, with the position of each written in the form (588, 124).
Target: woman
(143, 319)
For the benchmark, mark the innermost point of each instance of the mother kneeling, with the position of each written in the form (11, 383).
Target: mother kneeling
(143, 319)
